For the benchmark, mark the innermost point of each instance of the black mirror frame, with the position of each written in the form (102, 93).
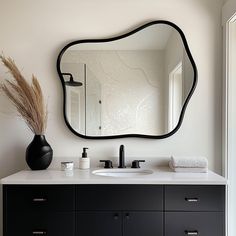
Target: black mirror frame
(117, 38)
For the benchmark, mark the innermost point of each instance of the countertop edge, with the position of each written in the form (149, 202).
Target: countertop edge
(161, 176)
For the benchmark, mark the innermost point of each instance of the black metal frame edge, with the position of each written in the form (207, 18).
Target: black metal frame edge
(117, 38)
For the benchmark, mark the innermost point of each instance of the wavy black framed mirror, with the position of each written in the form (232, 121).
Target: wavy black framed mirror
(137, 84)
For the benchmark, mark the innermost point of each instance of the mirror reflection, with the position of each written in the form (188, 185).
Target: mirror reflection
(135, 85)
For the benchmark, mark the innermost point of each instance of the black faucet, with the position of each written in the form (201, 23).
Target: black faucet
(122, 157)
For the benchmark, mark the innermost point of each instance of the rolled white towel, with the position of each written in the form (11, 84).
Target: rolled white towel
(188, 169)
(189, 162)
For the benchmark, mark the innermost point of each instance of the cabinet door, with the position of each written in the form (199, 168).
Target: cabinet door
(194, 223)
(143, 223)
(99, 224)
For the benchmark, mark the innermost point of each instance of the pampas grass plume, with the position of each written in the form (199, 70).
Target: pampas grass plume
(27, 98)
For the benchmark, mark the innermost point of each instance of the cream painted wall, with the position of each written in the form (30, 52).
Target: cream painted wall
(33, 32)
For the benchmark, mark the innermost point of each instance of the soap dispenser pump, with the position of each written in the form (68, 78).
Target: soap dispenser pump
(84, 161)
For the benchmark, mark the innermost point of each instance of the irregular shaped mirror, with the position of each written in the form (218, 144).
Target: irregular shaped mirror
(134, 85)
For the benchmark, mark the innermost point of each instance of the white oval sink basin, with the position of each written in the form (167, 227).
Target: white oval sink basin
(122, 172)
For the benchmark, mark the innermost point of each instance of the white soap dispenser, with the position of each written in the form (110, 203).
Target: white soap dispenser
(84, 161)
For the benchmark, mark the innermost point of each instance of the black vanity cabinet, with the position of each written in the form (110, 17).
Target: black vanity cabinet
(117, 210)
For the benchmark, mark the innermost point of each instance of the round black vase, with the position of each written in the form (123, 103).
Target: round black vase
(39, 153)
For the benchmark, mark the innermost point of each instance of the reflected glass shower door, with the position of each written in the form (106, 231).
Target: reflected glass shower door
(93, 103)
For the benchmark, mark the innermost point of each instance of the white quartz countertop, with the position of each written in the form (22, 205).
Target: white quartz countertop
(162, 175)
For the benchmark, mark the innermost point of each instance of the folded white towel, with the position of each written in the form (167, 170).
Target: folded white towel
(188, 169)
(189, 162)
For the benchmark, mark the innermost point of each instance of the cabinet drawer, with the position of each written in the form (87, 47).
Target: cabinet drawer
(39, 197)
(119, 197)
(194, 198)
(40, 224)
(194, 224)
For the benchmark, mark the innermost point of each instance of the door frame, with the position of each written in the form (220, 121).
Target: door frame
(172, 74)
(228, 15)
(226, 20)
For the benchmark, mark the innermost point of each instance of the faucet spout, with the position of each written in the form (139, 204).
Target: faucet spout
(122, 157)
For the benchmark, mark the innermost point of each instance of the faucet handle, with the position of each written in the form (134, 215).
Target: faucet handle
(135, 163)
(108, 163)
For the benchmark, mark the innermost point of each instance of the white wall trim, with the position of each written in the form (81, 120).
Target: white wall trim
(228, 16)
(226, 76)
(225, 115)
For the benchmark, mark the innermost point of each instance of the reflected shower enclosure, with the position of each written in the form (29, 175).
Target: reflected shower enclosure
(83, 98)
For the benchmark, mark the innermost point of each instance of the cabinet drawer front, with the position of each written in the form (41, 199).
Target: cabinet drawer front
(194, 198)
(119, 197)
(40, 224)
(143, 223)
(194, 223)
(40, 197)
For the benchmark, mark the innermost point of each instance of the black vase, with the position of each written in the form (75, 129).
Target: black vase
(39, 153)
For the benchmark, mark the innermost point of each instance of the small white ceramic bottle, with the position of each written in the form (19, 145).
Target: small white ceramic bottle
(84, 161)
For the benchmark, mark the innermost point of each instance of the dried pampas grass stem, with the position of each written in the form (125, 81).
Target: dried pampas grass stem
(27, 98)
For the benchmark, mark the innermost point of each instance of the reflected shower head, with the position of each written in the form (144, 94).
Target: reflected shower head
(71, 82)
